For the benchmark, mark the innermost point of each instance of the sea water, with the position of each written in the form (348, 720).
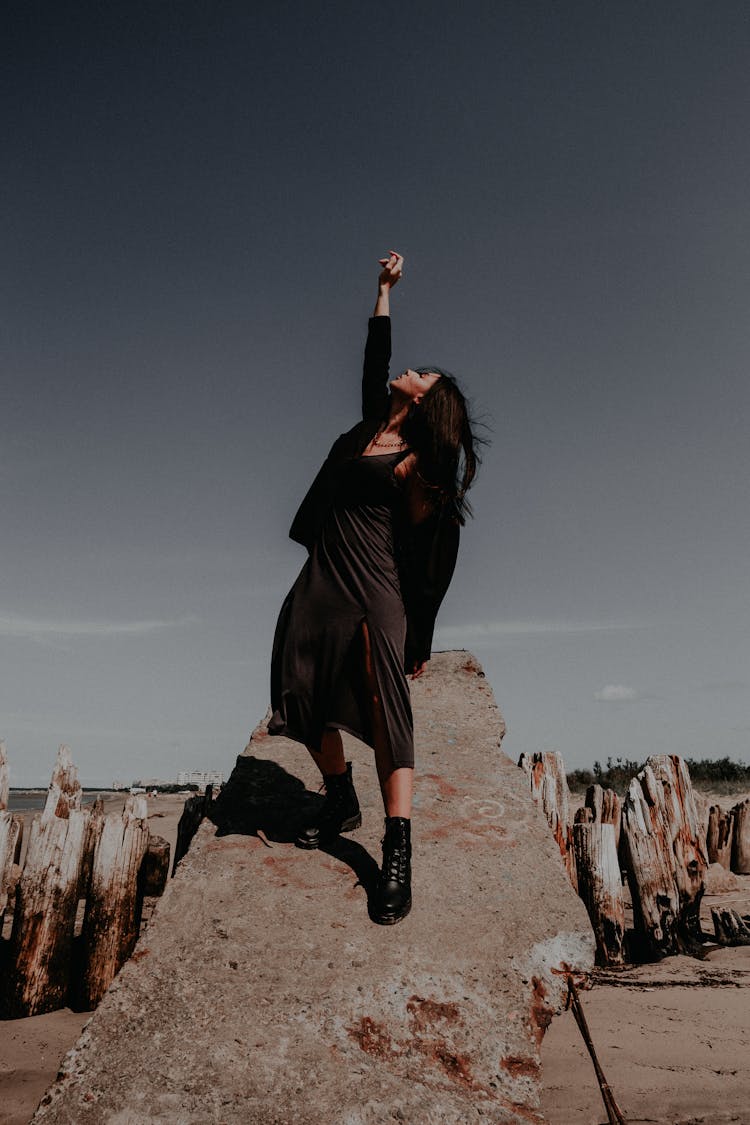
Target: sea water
(32, 800)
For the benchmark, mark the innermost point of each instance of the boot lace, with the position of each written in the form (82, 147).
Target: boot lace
(395, 863)
(397, 867)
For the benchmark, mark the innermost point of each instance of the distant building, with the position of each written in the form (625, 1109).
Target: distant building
(201, 778)
(149, 782)
(120, 785)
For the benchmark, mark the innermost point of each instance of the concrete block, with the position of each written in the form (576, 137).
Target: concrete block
(262, 994)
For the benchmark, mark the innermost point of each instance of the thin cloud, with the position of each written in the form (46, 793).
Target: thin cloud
(472, 632)
(719, 687)
(616, 693)
(42, 629)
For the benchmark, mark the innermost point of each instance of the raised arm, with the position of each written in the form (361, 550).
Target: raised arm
(390, 274)
(378, 346)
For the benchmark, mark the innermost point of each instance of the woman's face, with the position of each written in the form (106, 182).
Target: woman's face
(412, 385)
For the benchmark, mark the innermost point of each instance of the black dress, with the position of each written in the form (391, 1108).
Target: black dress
(350, 577)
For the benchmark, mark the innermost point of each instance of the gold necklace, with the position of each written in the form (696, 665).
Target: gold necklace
(388, 444)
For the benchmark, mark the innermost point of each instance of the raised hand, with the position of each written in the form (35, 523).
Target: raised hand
(393, 267)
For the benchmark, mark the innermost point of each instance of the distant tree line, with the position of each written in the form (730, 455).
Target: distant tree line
(167, 787)
(173, 787)
(617, 773)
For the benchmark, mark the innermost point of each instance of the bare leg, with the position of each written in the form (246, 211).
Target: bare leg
(396, 784)
(330, 759)
(340, 810)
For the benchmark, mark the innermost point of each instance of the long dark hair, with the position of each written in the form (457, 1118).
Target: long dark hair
(440, 431)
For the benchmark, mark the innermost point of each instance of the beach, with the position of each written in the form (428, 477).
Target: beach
(672, 1037)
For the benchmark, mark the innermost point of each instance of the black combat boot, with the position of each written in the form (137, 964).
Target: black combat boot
(393, 893)
(340, 811)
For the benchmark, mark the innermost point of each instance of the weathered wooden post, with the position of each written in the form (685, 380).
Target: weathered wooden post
(112, 918)
(598, 868)
(719, 836)
(155, 868)
(46, 899)
(11, 830)
(741, 838)
(64, 793)
(93, 832)
(606, 807)
(688, 844)
(665, 857)
(549, 788)
(4, 780)
(152, 878)
(729, 927)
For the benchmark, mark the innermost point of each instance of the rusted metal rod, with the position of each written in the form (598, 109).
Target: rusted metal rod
(614, 1113)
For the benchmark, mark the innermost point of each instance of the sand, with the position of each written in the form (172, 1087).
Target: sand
(673, 1043)
(30, 1053)
(672, 1038)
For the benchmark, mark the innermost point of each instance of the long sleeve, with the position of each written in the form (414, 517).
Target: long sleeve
(316, 504)
(375, 369)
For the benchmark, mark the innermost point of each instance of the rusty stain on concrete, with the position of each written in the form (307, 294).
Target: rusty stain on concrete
(424, 1043)
(424, 1013)
(444, 788)
(541, 1010)
(520, 1064)
(372, 1038)
(455, 1066)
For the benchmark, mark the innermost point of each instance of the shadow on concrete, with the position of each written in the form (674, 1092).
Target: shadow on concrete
(262, 797)
(361, 862)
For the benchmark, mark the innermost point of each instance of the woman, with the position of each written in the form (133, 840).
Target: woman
(381, 524)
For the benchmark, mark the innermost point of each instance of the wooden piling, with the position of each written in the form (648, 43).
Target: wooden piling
(741, 838)
(729, 927)
(665, 857)
(549, 788)
(64, 791)
(10, 849)
(155, 867)
(112, 918)
(688, 841)
(41, 940)
(719, 833)
(4, 779)
(93, 832)
(598, 869)
(606, 807)
(11, 831)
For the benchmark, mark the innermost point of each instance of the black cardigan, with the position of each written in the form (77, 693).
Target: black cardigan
(426, 552)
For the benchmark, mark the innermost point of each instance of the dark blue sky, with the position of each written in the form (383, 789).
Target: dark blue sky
(194, 198)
